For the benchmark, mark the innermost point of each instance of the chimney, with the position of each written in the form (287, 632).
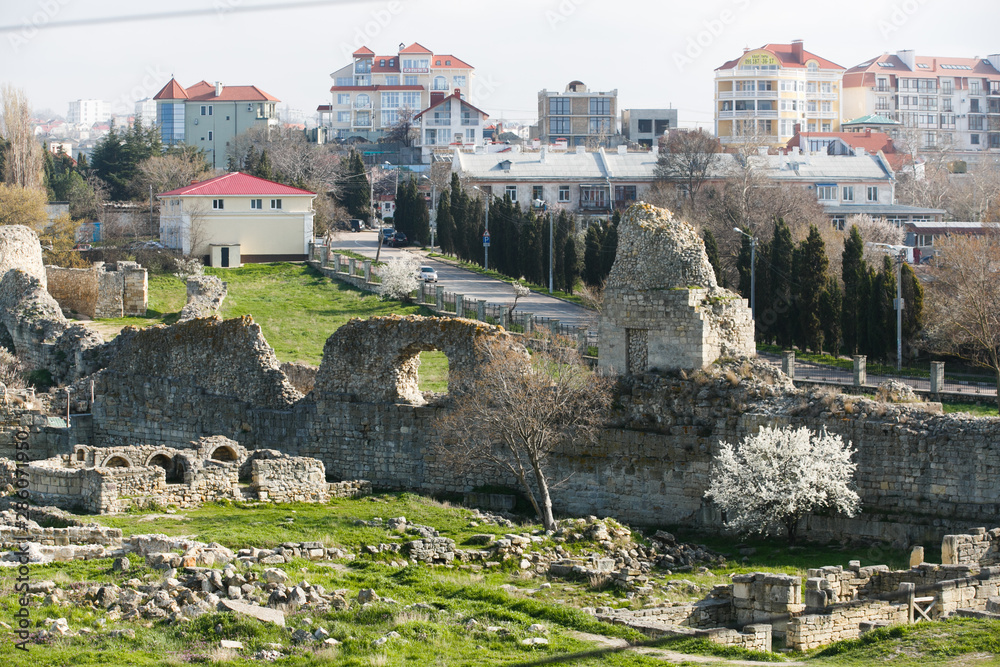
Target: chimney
(580, 150)
(868, 132)
(797, 50)
(542, 155)
(622, 149)
(909, 58)
(458, 92)
(797, 128)
(436, 97)
(218, 89)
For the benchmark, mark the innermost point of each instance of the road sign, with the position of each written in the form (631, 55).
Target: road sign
(486, 240)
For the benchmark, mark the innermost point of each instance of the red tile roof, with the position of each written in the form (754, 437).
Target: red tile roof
(235, 183)
(394, 67)
(443, 100)
(324, 107)
(455, 63)
(363, 51)
(416, 47)
(171, 91)
(925, 67)
(786, 55)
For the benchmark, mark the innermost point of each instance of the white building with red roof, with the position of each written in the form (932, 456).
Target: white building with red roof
(369, 93)
(942, 102)
(237, 218)
(761, 95)
(449, 123)
(210, 116)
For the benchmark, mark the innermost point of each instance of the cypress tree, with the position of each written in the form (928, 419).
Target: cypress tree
(743, 267)
(913, 304)
(883, 315)
(854, 274)
(592, 263)
(421, 218)
(712, 250)
(570, 264)
(445, 224)
(829, 313)
(780, 283)
(609, 249)
(356, 196)
(765, 318)
(811, 270)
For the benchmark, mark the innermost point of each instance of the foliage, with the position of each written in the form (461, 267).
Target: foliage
(779, 475)
(855, 290)
(518, 410)
(399, 277)
(411, 216)
(58, 239)
(964, 300)
(11, 371)
(403, 131)
(117, 156)
(355, 193)
(810, 271)
(687, 158)
(22, 154)
(22, 206)
(445, 224)
(712, 251)
(180, 166)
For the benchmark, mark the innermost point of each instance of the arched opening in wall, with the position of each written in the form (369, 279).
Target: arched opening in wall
(117, 462)
(81, 455)
(432, 374)
(180, 470)
(6, 340)
(223, 454)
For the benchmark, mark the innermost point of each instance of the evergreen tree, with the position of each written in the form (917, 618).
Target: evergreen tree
(854, 274)
(765, 315)
(609, 249)
(356, 193)
(116, 158)
(882, 314)
(562, 232)
(592, 261)
(570, 264)
(404, 219)
(811, 270)
(531, 250)
(743, 266)
(913, 304)
(830, 315)
(780, 255)
(712, 250)
(445, 224)
(263, 168)
(459, 206)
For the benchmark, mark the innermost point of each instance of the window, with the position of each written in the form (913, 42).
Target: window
(925, 240)
(458, 81)
(838, 222)
(826, 87)
(276, 204)
(974, 139)
(625, 193)
(558, 106)
(946, 104)
(826, 107)
(392, 79)
(390, 117)
(256, 204)
(976, 122)
(974, 88)
(826, 192)
(410, 80)
(564, 193)
(769, 105)
(218, 204)
(204, 109)
(872, 191)
(390, 100)
(210, 135)
(947, 87)
(600, 105)
(826, 127)
(437, 63)
(661, 126)
(883, 85)
(973, 106)
(847, 193)
(599, 126)
(470, 136)
(537, 192)
(558, 125)
(210, 110)
(811, 107)
(810, 86)
(343, 116)
(363, 101)
(930, 139)
(645, 125)
(511, 191)
(440, 83)
(411, 99)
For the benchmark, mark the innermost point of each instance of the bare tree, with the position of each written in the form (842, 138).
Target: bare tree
(169, 172)
(964, 300)
(23, 160)
(403, 131)
(520, 409)
(687, 158)
(292, 157)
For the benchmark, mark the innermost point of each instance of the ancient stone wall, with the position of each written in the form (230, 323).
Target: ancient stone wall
(205, 295)
(290, 479)
(74, 289)
(813, 630)
(102, 290)
(662, 307)
(979, 547)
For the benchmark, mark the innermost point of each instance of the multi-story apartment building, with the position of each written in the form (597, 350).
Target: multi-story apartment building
(209, 117)
(577, 115)
(450, 122)
(145, 110)
(646, 126)
(368, 94)
(942, 103)
(761, 95)
(88, 112)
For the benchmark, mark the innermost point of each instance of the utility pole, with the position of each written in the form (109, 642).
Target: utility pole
(899, 254)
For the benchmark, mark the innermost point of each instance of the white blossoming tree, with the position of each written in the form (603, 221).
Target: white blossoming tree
(779, 475)
(399, 277)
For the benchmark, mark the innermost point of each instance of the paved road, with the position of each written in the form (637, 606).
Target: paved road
(473, 285)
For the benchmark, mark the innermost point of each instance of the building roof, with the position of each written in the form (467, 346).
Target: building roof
(924, 67)
(455, 96)
(872, 142)
(870, 119)
(416, 47)
(391, 64)
(203, 91)
(556, 166)
(449, 62)
(234, 184)
(171, 91)
(882, 210)
(944, 228)
(363, 51)
(787, 55)
(377, 86)
(815, 168)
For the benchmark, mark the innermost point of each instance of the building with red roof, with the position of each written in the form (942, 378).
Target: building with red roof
(761, 95)
(850, 143)
(237, 218)
(369, 93)
(209, 116)
(448, 123)
(941, 102)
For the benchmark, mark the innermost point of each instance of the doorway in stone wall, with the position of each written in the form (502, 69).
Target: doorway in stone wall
(432, 375)
(174, 472)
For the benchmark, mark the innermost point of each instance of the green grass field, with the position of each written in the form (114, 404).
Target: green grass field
(297, 309)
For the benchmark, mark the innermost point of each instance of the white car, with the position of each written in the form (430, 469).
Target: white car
(427, 274)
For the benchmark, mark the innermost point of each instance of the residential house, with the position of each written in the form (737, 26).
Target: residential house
(577, 116)
(587, 183)
(449, 122)
(369, 93)
(848, 143)
(646, 126)
(238, 218)
(210, 116)
(942, 102)
(761, 95)
(921, 235)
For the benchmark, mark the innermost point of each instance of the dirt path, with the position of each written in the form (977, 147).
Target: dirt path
(663, 654)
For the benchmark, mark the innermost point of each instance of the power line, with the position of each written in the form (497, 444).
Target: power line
(221, 9)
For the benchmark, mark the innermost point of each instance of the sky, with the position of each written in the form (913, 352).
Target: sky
(656, 54)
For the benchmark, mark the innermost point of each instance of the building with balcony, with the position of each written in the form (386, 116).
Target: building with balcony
(578, 116)
(369, 93)
(763, 94)
(448, 123)
(646, 126)
(579, 181)
(210, 116)
(86, 113)
(942, 103)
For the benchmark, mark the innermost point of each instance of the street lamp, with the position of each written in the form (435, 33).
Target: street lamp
(753, 271)
(433, 206)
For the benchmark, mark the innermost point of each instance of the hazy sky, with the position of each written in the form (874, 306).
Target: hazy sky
(657, 54)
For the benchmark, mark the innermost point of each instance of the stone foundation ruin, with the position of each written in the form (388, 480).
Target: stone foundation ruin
(662, 307)
(117, 290)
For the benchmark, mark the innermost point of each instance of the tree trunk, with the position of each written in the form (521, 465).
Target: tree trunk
(792, 525)
(548, 521)
(997, 369)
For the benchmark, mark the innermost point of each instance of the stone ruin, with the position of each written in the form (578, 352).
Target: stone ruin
(205, 295)
(838, 603)
(110, 480)
(662, 307)
(105, 291)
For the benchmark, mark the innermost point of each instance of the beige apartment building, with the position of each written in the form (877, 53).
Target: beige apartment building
(577, 116)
